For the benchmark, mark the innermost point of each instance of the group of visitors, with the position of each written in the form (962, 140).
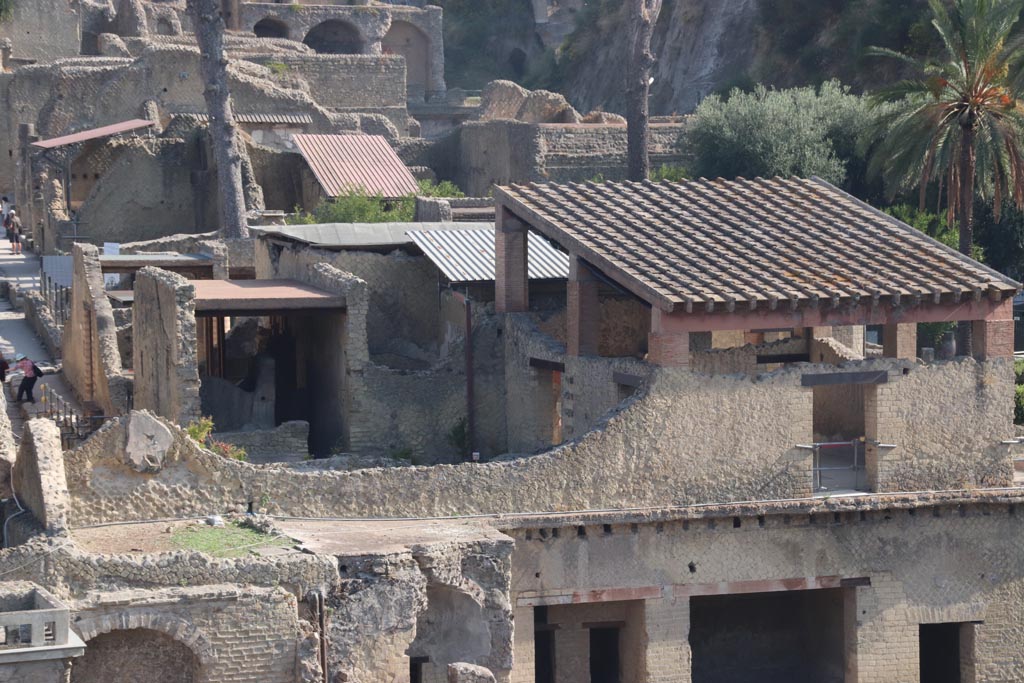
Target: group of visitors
(12, 225)
(30, 371)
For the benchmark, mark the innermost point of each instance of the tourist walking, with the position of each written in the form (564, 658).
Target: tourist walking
(15, 232)
(31, 372)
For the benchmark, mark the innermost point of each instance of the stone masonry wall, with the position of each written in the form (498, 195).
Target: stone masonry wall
(38, 476)
(165, 346)
(688, 438)
(372, 84)
(43, 30)
(945, 564)
(391, 410)
(92, 359)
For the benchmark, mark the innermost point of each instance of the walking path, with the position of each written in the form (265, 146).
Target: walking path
(17, 336)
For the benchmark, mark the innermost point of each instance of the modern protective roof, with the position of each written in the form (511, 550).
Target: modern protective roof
(723, 244)
(220, 296)
(255, 117)
(358, 235)
(468, 255)
(94, 134)
(346, 163)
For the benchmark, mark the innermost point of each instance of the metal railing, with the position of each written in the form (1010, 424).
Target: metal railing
(74, 426)
(58, 298)
(839, 464)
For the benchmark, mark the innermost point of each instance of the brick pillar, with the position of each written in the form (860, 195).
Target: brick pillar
(655, 641)
(666, 347)
(511, 286)
(899, 340)
(993, 337)
(583, 309)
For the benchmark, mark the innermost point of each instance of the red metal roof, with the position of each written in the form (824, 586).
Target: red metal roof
(94, 133)
(345, 163)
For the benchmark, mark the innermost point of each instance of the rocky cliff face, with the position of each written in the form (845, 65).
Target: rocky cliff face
(701, 46)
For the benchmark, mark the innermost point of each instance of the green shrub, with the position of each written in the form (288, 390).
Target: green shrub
(1018, 370)
(357, 206)
(200, 429)
(278, 68)
(671, 173)
(794, 132)
(1018, 404)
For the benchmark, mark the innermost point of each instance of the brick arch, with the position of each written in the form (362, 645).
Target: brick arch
(336, 36)
(180, 630)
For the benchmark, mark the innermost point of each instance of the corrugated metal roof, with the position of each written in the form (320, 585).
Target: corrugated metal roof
(357, 235)
(251, 117)
(343, 163)
(94, 134)
(468, 255)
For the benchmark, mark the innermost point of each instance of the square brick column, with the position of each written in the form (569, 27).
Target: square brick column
(511, 285)
(899, 340)
(583, 326)
(993, 336)
(665, 346)
(655, 641)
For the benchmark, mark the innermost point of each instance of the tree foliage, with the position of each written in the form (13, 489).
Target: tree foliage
(797, 131)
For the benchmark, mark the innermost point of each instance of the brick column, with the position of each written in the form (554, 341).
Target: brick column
(993, 336)
(511, 286)
(899, 340)
(583, 326)
(655, 641)
(667, 347)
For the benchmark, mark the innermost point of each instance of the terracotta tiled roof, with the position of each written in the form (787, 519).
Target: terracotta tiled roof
(94, 133)
(723, 244)
(343, 163)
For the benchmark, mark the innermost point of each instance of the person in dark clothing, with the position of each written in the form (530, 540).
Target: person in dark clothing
(4, 367)
(31, 373)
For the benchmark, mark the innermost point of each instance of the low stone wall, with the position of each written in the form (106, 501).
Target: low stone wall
(286, 443)
(743, 359)
(40, 317)
(38, 476)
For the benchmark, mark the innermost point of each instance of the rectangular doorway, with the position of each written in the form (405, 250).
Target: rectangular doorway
(940, 653)
(783, 637)
(604, 655)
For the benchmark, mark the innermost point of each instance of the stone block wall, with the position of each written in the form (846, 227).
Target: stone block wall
(92, 358)
(37, 478)
(43, 30)
(165, 346)
(372, 84)
(917, 563)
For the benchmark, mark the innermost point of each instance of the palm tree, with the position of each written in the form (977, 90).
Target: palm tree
(958, 121)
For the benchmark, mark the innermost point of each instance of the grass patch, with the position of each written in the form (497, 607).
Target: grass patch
(231, 540)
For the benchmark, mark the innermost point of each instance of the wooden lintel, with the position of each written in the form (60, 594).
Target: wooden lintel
(833, 378)
(549, 365)
(626, 379)
(784, 358)
(860, 581)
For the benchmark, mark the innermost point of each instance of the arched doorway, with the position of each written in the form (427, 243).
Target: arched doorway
(405, 39)
(135, 656)
(270, 28)
(335, 37)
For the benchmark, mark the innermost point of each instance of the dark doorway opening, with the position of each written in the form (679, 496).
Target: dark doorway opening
(940, 653)
(544, 656)
(604, 655)
(783, 637)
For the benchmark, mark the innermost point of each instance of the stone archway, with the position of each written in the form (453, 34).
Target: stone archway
(270, 28)
(136, 655)
(409, 41)
(335, 37)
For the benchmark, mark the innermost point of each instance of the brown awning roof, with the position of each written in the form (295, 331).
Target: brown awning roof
(346, 163)
(710, 244)
(219, 297)
(94, 134)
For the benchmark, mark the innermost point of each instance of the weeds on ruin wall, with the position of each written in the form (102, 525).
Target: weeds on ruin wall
(358, 206)
(201, 431)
